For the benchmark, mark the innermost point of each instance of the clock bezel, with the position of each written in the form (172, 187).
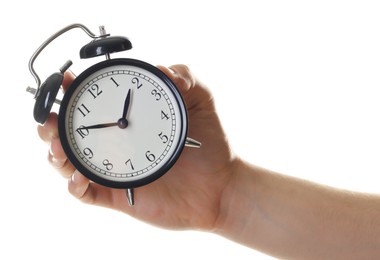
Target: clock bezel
(157, 173)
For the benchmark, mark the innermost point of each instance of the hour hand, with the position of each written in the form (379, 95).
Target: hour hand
(126, 104)
(123, 122)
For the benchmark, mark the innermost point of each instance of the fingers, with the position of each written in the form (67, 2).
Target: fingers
(56, 156)
(49, 130)
(195, 94)
(58, 159)
(78, 184)
(79, 187)
(67, 80)
(92, 193)
(49, 133)
(181, 76)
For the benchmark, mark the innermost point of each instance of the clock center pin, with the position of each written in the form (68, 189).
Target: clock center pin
(122, 123)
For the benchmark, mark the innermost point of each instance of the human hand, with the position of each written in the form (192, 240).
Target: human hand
(186, 197)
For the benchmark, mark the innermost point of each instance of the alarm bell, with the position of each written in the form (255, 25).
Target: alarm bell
(46, 93)
(105, 46)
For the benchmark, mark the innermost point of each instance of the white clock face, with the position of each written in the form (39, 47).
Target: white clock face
(122, 124)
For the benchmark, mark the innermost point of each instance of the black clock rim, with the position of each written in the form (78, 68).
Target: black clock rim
(64, 138)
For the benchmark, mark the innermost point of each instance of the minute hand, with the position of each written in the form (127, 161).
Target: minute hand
(99, 126)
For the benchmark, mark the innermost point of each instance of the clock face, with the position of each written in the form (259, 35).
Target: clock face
(122, 123)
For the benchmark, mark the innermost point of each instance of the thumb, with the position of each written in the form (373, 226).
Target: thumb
(193, 91)
(181, 76)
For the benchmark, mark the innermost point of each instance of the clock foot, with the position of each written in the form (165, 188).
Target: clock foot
(192, 143)
(130, 196)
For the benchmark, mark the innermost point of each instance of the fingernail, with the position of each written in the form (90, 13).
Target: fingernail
(172, 71)
(73, 177)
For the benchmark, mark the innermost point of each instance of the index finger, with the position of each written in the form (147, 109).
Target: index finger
(67, 80)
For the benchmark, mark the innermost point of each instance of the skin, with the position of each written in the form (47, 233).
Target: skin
(213, 190)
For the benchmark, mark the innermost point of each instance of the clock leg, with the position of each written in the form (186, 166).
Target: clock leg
(130, 196)
(190, 142)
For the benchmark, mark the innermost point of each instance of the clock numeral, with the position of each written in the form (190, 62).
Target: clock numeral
(129, 162)
(95, 91)
(82, 131)
(164, 115)
(156, 94)
(107, 164)
(163, 137)
(151, 157)
(88, 152)
(114, 81)
(84, 110)
(136, 81)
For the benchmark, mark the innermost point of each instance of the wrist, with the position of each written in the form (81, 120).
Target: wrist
(232, 198)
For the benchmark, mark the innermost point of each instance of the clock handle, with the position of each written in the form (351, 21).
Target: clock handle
(190, 142)
(47, 42)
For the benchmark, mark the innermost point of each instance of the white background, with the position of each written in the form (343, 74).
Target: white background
(296, 85)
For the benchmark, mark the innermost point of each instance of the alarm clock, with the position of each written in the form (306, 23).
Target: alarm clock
(122, 122)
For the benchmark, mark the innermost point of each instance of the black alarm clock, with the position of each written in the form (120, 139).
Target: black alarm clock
(122, 122)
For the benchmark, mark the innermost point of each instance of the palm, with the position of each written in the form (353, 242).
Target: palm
(188, 195)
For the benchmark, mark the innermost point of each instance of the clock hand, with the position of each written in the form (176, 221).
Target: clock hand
(123, 122)
(99, 126)
(126, 104)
